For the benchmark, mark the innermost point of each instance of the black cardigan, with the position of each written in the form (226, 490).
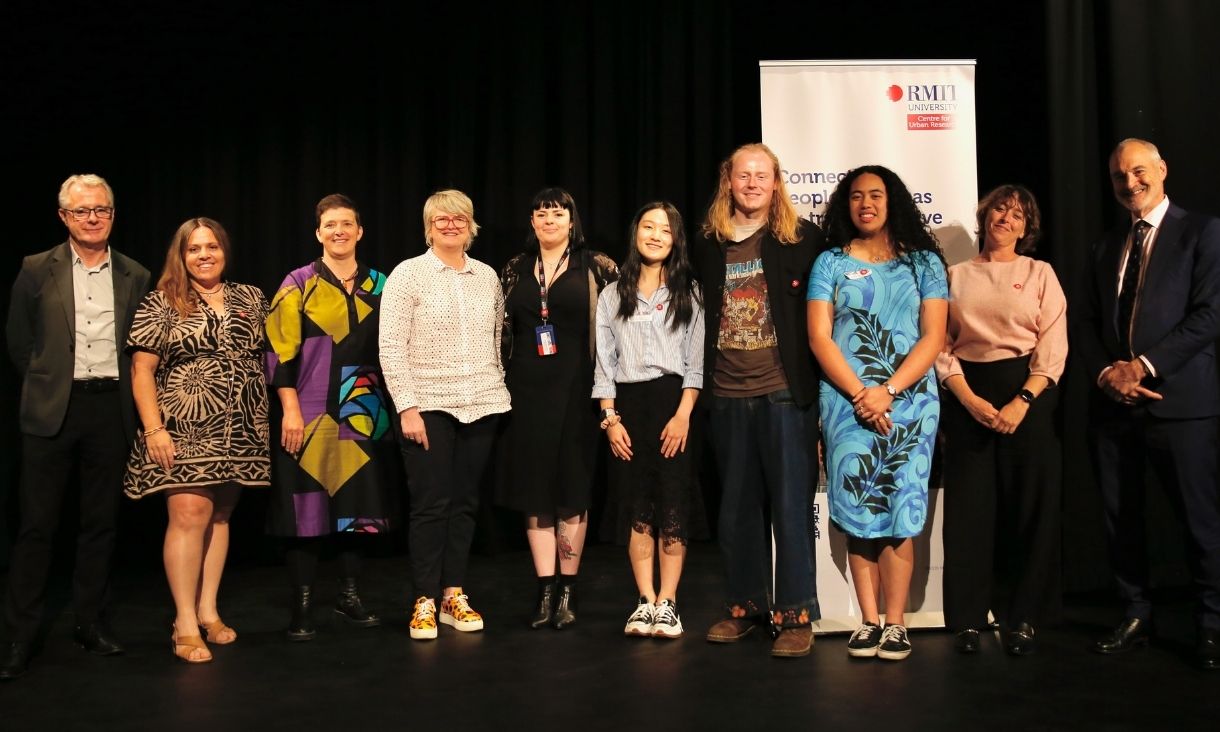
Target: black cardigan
(786, 267)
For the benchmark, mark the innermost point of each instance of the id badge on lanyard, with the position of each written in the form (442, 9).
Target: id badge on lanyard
(544, 335)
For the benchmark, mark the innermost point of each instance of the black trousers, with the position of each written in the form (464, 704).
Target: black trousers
(1004, 487)
(1183, 455)
(443, 483)
(92, 442)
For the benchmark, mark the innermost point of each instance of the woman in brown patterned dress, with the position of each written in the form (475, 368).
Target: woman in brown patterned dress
(197, 376)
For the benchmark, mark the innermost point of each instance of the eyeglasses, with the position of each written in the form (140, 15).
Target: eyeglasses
(444, 222)
(80, 214)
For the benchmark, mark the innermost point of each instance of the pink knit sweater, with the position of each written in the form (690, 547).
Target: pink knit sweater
(1001, 310)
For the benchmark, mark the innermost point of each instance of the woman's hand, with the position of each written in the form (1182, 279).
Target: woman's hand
(881, 425)
(1009, 417)
(872, 402)
(673, 437)
(160, 447)
(983, 411)
(413, 426)
(292, 432)
(620, 441)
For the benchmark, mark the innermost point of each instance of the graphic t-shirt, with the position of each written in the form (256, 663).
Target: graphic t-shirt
(749, 363)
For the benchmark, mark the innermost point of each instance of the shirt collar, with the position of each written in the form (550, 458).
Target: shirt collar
(77, 261)
(1155, 216)
(440, 266)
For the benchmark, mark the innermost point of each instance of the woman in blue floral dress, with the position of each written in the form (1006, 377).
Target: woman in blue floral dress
(878, 303)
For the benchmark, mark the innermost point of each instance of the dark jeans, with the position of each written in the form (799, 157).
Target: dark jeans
(443, 483)
(91, 441)
(766, 453)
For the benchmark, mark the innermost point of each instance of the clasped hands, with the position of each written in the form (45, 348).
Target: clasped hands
(873, 405)
(1121, 382)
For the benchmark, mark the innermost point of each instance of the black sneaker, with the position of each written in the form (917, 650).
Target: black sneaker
(864, 641)
(895, 645)
(666, 623)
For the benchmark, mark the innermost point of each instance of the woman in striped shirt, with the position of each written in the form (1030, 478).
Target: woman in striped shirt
(650, 363)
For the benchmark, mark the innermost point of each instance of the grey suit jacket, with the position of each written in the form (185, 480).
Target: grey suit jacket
(42, 341)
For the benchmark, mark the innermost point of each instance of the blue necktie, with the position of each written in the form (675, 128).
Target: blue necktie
(1131, 284)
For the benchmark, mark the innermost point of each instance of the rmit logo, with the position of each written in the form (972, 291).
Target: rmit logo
(894, 93)
(931, 93)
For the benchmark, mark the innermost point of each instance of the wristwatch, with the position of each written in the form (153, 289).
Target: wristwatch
(889, 389)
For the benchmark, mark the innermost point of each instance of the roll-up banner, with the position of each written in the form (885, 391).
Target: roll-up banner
(823, 118)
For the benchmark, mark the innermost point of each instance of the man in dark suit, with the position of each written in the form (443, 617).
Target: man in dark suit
(1147, 335)
(71, 308)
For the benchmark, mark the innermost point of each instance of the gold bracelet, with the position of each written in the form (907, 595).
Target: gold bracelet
(153, 431)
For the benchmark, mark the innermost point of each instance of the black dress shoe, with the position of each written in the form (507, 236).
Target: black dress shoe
(14, 660)
(97, 639)
(1207, 653)
(966, 641)
(1020, 640)
(1130, 633)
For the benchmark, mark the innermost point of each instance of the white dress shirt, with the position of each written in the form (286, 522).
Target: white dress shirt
(440, 338)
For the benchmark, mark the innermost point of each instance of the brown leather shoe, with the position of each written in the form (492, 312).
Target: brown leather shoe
(793, 642)
(730, 630)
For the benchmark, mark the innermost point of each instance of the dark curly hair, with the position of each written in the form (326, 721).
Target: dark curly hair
(906, 227)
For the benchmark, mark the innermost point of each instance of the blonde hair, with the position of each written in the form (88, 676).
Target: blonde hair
(781, 217)
(453, 202)
(175, 281)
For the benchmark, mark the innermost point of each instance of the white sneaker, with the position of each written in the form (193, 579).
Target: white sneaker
(665, 620)
(640, 622)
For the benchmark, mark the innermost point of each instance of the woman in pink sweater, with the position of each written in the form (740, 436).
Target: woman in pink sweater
(1004, 351)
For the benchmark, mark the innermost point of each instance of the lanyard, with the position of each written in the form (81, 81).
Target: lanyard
(546, 312)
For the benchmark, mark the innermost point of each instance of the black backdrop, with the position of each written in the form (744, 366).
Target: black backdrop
(250, 113)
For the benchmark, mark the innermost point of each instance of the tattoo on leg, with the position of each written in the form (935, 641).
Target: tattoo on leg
(565, 544)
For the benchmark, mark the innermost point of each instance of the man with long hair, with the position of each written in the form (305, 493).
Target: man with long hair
(753, 259)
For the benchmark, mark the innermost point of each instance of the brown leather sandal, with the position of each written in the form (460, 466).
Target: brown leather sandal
(212, 631)
(182, 646)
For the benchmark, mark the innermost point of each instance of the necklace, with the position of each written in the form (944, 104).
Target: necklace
(344, 280)
(219, 287)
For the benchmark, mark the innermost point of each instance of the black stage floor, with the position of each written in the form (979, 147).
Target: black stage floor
(587, 678)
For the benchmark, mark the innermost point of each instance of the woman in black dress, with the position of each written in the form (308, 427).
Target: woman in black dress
(550, 293)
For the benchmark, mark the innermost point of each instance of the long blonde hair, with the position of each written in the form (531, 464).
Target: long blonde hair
(175, 282)
(781, 217)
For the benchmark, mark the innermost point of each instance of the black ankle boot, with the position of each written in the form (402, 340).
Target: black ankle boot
(546, 605)
(300, 627)
(565, 607)
(349, 609)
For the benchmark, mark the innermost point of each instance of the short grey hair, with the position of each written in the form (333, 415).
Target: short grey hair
(1156, 154)
(87, 180)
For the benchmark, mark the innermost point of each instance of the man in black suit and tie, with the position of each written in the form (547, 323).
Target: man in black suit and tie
(1147, 334)
(67, 323)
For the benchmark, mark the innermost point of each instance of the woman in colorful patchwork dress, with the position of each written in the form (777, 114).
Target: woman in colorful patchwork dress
(877, 311)
(650, 368)
(197, 376)
(337, 468)
(549, 447)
